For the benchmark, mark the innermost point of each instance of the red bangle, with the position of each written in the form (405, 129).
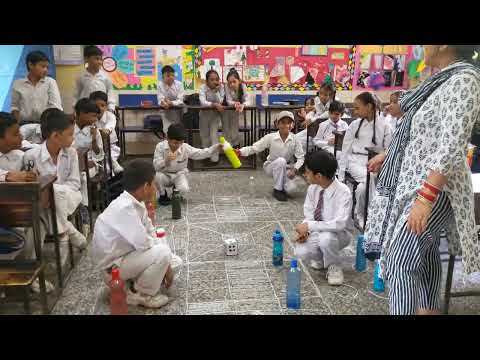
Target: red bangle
(432, 188)
(429, 197)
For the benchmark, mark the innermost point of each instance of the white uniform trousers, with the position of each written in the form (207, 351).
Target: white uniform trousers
(358, 170)
(169, 117)
(278, 170)
(148, 268)
(209, 122)
(166, 180)
(83, 183)
(230, 125)
(323, 247)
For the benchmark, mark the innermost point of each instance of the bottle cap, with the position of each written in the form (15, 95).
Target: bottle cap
(160, 232)
(252, 178)
(293, 264)
(221, 139)
(116, 274)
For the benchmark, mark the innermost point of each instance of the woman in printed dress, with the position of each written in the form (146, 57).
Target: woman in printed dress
(424, 185)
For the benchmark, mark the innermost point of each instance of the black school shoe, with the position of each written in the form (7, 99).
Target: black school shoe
(280, 195)
(163, 200)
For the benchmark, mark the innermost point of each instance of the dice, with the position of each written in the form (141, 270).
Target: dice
(231, 247)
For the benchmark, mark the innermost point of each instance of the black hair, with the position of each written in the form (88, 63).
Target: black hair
(176, 132)
(99, 95)
(211, 71)
(309, 99)
(167, 69)
(91, 50)
(86, 106)
(233, 72)
(336, 106)
(330, 87)
(322, 162)
(54, 120)
(396, 93)
(367, 98)
(466, 53)
(34, 57)
(137, 173)
(6, 120)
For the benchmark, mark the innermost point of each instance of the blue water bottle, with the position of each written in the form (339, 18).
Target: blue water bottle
(294, 281)
(277, 248)
(378, 284)
(360, 260)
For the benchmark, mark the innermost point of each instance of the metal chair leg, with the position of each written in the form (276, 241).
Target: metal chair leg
(58, 261)
(70, 251)
(448, 285)
(43, 292)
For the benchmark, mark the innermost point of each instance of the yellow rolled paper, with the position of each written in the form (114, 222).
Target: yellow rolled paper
(230, 153)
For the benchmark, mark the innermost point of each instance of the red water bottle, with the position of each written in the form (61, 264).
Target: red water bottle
(118, 295)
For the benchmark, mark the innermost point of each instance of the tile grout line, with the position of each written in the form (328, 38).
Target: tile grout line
(186, 259)
(287, 237)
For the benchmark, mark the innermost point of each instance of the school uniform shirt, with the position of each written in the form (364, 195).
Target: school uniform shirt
(336, 209)
(174, 93)
(11, 161)
(66, 170)
(325, 131)
(353, 149)
(122, 228)
(108, 121)
(392, 121)
(185, 152)
(232, 96)
(83, 142)
(32, 100)
(277, 148)
(208, 97)
(88, 83)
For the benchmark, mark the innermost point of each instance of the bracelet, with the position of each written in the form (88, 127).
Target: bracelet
(429, 197)
(424, 201)
(432, 188)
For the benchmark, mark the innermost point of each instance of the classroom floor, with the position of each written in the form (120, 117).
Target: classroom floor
(219, 207)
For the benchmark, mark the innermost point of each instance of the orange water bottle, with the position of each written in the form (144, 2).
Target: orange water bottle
(470, 155)
(118, 295)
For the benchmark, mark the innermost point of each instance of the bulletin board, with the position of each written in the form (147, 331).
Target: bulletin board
(284, 68)
(381, 67)
(138, 67)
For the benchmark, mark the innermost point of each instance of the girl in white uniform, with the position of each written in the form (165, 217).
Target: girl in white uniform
(367, 131)
(236, 95)
(212, 94)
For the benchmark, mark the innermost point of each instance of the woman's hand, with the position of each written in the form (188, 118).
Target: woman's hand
(376, 162)
(418, 217)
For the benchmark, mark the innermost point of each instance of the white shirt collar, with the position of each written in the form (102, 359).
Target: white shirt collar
(45, 155)
(133, 199)
(277, 136)
(329, 191)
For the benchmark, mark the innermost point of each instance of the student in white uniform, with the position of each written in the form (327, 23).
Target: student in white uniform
(367, 131)
(326, 94)
(93, 78)
(87, 139)
(308, 115)
(171, 160)
(390, 118)
(236, 95)
(327, 227)
(283, 146)
(56, 157)
(212, 94)
(11, 170)
(325, 139)
(107, 123)
(124, 237)
(170, 93)
(34, 94)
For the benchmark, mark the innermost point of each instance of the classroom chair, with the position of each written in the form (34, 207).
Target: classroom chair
(93, 187)
(338, 143)
(111, 183)
(20, 207)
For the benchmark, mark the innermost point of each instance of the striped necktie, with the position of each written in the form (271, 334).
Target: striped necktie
(318, 211)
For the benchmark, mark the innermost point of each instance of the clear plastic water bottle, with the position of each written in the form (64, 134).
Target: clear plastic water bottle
(251, 188)
(118, 295)
(294, 282)
(265, 94)
(360, 260)
(277, 255)
(378, 284)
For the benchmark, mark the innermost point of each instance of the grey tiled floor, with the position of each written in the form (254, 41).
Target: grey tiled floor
(219, 206)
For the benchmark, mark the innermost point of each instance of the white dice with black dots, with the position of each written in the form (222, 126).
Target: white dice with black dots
(231, 247)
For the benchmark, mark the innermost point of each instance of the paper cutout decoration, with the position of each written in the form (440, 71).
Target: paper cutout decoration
(377, 62)
(109, 64)
(339, 56)
(283, 80)
(234, 57)
(341, 74)
(119, 79)
(376, 81)
(315, 50)
(290, 60)
(126, 66)
(365, 60)
(418, 52)
(279, 68)
(421, 66)
(296, 73)
(106, 50)
(133, 80)
(399, 63)
(119, 52)
(309, 79)
(388, 62)
(254, 73)
(211, 63)
(145, 61)
(395, 49)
